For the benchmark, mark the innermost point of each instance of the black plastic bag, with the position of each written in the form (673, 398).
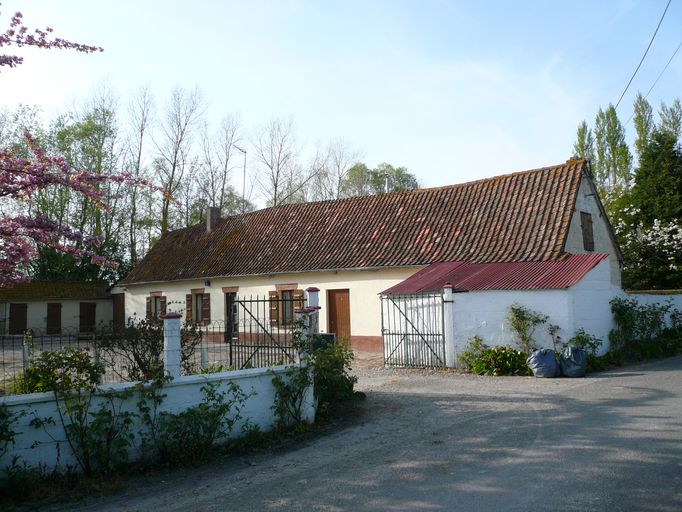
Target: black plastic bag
(573, 362)
(543, 363)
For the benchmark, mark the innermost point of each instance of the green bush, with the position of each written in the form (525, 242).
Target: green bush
(480, 359)
(523, 322)
(585, 341)
(333, 382)
(61, 370)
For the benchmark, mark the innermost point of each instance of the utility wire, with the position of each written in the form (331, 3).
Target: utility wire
(643, 56)
(658, 78)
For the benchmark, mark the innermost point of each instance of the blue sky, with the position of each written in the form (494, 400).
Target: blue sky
(452, 90)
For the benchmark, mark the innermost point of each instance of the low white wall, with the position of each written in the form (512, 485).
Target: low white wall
(675, 300)
(48, 446)
(484, 314)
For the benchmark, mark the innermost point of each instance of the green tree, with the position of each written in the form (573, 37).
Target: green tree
(584, 144)
(649, 229)
(643, 119)
(614, 161)
(671, 118)
(386, 178)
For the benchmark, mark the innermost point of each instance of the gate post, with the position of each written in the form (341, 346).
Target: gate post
(171, 344)
(449, 326)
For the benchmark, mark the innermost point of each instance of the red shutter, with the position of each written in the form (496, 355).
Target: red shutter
(149, 307)
(188, 308)
(206, 309)
(274, 308)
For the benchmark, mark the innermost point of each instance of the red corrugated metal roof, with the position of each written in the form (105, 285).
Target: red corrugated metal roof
(517, 275)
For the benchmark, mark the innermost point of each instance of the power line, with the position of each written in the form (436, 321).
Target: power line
(658, 78)
(644, 56)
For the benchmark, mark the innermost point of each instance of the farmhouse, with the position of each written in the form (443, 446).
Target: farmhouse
(353, 249)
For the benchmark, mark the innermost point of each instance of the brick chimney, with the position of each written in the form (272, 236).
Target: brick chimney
(212, 218)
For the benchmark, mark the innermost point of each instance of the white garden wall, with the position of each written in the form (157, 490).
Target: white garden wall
(48, 446)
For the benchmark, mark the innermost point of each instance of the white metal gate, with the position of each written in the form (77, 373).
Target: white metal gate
(413, 330)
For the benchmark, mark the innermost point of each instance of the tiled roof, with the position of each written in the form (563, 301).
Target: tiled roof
(517, 217)
(517, 275)
(55, 290)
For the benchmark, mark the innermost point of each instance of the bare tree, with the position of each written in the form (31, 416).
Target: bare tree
(140, 116)
(174, 146)
(218, 162)
(281, 178)
(330, 168)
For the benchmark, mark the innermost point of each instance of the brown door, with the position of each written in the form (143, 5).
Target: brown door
(119, 310)
(87, 318)
(17, 318)
(338, 313)
(54, 318)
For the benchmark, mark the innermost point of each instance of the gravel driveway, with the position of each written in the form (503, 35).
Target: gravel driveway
(444, 441)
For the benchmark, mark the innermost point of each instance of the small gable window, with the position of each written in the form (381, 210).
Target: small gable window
(588, 234)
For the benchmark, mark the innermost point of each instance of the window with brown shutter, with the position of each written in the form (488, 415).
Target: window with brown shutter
(156, 305)
(198, 307)
(283, 305)
(588, 235)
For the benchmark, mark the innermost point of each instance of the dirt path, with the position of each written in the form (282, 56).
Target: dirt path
(443, 441)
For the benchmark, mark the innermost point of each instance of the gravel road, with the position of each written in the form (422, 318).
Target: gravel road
(444, 441)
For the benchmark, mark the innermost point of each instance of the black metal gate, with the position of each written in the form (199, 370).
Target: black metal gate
(259, 330)
(413, 330)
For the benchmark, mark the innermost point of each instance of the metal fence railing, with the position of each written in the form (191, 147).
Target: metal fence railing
(257, 334)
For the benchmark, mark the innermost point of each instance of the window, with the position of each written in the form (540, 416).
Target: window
(198, 307)
(156, 305)
(283, 305)
(231, 316)
(588, 235)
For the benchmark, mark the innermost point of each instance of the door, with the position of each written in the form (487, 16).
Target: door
(119, 310)
(87, 318)
(17, 318)
(54, 318)
(338, 313)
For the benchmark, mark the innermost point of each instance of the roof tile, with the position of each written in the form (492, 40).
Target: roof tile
(520, 216)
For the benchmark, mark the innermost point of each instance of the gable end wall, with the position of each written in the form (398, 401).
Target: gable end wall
(587, 202)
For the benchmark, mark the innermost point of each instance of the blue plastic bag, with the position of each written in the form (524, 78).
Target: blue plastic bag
(543, 363)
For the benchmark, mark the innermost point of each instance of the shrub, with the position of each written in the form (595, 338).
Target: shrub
(480, 359)
(585, 341)
(523, 322)
(640, 328)
(140, 346)
(333, 383)
(62, 370)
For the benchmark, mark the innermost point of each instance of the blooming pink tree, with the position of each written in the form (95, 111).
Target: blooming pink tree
(21, 177)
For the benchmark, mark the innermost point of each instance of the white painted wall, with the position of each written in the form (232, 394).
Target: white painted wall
(586, 202)
(36, 313)
(364, 286)
(182, 393)
(585, 305)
